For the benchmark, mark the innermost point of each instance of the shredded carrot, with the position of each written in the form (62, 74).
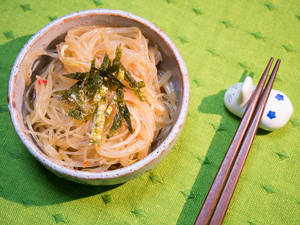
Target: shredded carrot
(86, 164)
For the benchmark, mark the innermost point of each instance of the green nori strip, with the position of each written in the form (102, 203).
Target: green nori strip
(75, 76)
(117, 60)
(135, 85)
(118, 55)
(93, 68)
(78, 114)
(93, 83)
(118, 119)
(114, 80)
(123, 113)
(127, 119)
(117, 123)
(91, 89)
(105, 63)
(141, 84)
(132, 82)
(139, 93)
(65, 94)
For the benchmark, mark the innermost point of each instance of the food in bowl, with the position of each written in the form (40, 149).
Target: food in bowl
(101, 100)
(47, 39)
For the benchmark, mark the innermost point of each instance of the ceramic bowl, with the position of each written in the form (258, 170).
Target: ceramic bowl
(52, 34)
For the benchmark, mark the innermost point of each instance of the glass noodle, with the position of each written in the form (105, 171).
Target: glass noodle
(66, 140)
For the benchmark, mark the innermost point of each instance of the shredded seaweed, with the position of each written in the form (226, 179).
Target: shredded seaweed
(116, 64)
(117, 123)
(105, 63)
(76, 76)
(127, 119)
(135, 85)
(123, 113)
(92, 87)
(78, 114)
(123, 108)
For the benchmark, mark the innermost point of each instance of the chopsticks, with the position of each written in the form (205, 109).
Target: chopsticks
(217, 200)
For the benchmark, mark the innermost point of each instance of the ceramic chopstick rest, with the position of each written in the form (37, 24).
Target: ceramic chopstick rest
(278, 109)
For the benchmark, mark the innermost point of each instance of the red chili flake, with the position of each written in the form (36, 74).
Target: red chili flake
(41, 81)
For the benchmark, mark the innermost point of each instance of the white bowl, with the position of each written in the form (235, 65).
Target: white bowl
(50, 35)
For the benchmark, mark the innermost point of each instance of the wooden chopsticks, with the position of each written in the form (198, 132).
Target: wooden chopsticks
(217, 200)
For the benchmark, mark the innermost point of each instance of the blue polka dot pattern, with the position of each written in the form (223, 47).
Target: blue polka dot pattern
(271, 114)
(279, 97)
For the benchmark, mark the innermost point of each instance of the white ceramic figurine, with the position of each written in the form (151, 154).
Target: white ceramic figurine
(278, 109)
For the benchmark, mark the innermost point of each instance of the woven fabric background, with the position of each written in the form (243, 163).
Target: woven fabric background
(221, 42)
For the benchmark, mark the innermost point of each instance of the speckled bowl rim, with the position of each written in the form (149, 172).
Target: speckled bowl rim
(169, 140)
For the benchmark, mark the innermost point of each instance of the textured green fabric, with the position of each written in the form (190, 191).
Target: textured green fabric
(220, 42)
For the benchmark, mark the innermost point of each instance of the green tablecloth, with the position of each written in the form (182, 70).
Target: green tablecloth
(220, 41)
